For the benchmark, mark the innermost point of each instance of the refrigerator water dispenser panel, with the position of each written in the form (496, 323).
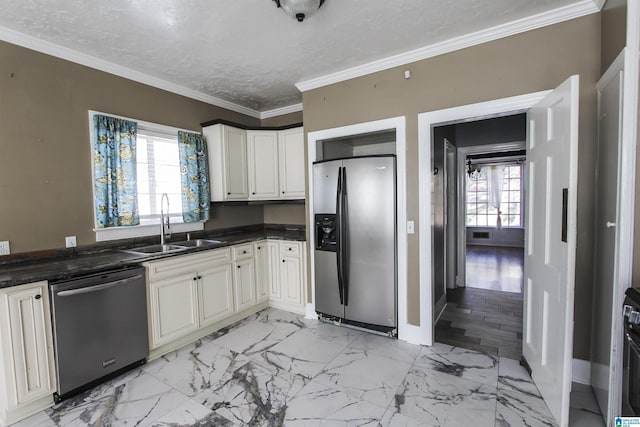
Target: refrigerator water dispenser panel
(326, 231)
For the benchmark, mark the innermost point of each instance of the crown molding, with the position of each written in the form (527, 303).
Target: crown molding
(565, 13)
(71, 55)
(280, 111)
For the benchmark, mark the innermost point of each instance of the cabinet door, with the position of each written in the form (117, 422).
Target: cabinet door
(30, 348)
(291, 278)
(244, 280)
(235, 161)
(174, 308)
(267, 270)
(215, 292)
(263, 164)
(292, 164)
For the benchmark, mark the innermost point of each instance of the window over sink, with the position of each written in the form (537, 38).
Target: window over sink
(154, 168)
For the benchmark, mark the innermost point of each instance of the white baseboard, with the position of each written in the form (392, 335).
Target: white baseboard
(311, 312)
(581, 372)
(412, 335)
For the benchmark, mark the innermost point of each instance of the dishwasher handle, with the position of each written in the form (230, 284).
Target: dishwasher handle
(96, 288)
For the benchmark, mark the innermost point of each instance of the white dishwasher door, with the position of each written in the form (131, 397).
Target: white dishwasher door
(99, 328)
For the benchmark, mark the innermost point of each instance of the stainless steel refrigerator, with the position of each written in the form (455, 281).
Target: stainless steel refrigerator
(354, 203)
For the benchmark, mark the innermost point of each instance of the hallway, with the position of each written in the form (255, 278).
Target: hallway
(487, 315)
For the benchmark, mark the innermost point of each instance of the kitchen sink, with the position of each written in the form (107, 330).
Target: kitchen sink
(157, 249)
(197, 243)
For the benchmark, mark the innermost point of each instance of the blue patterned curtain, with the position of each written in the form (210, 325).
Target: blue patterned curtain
(194, 171)
(114, 171)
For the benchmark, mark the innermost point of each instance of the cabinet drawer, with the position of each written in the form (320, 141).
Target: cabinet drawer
(289, 249)
(242, 251)
(186, 263)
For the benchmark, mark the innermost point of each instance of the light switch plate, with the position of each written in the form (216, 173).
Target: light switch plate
(410, 227)
(5, 249)
(70, 241)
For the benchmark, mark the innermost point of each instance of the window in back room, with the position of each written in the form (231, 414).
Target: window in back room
(495, 195)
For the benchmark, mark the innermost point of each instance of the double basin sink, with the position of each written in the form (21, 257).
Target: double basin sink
(174, 247)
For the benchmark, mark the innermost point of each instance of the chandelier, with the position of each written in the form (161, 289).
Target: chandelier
(299, 9)
(472, 170)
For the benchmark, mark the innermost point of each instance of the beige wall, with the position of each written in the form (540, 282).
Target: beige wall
(284, 214)
(284, 120)
(529, 62)
(45, 168)
(614, 31)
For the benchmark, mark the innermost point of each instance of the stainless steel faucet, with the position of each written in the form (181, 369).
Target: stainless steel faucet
(165, 229)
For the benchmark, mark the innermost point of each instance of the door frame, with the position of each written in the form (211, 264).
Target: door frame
(463, 153)
(627, 185)
(406, 332)
(426, 122)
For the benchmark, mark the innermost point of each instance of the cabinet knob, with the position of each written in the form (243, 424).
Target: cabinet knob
(259, 247)
(282, 260)
(283, 192)
(289, 249)
(199, 277)
(238, 266)
(244, 252)
(254, 193)
(38, 296)
(228, 194)
(195, 278)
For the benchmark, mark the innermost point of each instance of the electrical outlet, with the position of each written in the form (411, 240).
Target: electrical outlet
(4, 248)
(410, 227)
(70, 241)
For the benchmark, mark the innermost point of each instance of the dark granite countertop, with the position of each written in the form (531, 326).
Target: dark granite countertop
(65, 264)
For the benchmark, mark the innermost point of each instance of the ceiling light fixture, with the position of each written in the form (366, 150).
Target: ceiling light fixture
(299, 9)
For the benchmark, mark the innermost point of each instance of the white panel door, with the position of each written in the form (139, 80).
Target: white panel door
(292, 163)
(244, 278)
(263, 164)
(235, 162)
(30, 343)
(552, 164)
(174, 308)
(215, 293)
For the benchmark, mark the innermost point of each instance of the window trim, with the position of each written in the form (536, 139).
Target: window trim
(116, 233)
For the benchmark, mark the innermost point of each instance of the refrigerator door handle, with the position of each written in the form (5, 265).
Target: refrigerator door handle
(344, 236)
(339, 239)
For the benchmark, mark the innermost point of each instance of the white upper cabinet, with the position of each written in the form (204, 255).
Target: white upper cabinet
(227, 150)
(292, 165)
(255, 164)
(263, 165)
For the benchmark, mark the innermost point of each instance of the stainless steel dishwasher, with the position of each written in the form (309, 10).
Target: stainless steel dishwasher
(99, 328)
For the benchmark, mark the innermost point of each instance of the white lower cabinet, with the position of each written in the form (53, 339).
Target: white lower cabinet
(193, 295)
(244, 280)
(291, 274)
(267, 273)
(174, 308)
(27, 372)
(285, 274)
(215, 294)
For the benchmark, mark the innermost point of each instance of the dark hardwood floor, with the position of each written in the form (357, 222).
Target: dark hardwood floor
(488, 316)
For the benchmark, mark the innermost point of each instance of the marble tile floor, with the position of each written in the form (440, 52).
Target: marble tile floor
(276, 368)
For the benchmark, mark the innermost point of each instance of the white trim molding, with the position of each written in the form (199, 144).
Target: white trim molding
(581, 371)
(561, 14)
(281, 111)
(406, 332)
(426, 122)
(90, 61)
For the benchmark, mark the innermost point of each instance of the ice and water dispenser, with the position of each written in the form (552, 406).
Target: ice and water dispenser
(326, 232)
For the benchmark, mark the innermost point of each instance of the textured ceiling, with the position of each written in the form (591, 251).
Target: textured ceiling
(247, 51)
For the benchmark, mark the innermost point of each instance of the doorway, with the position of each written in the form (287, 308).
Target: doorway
(478, 245)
